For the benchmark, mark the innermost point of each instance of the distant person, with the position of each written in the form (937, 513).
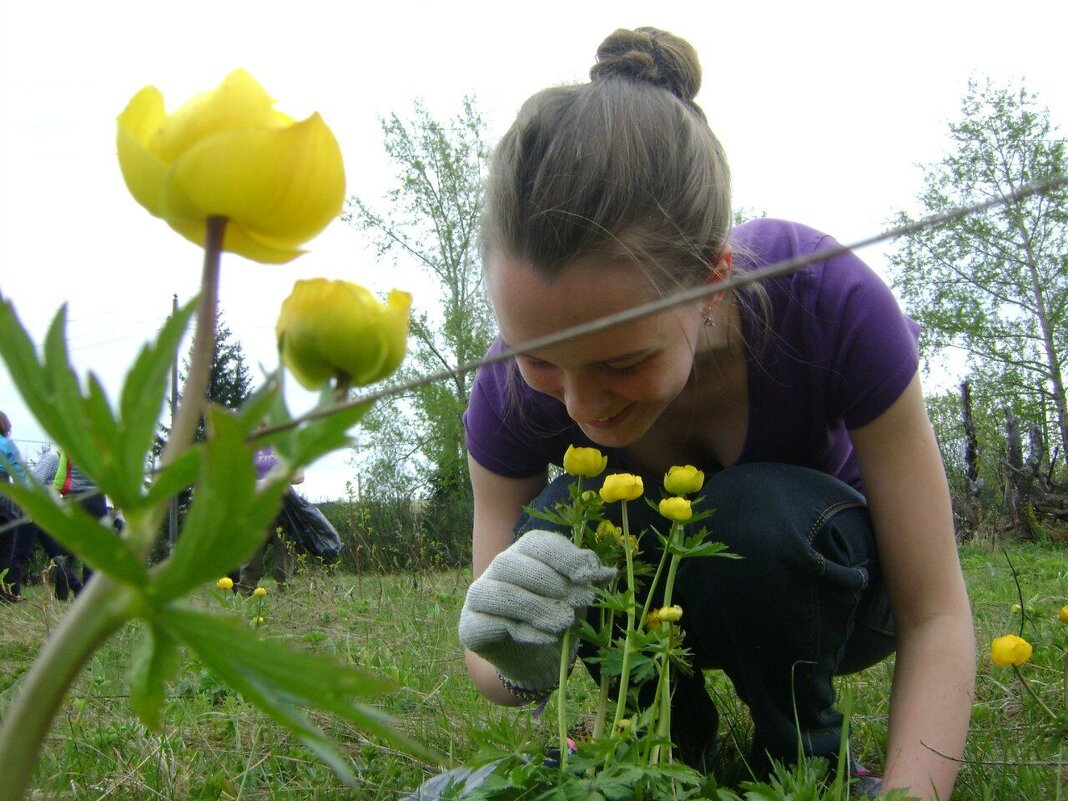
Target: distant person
(69, 481)
(264, 461)
(64, 579)
(11, 469)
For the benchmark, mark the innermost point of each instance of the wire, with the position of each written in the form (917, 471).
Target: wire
(681, 298)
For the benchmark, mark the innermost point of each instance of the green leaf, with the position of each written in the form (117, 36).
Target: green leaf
(228, 518)
(79, 532)
(281, 681)
(145, 388)
(175, 477)
(155, 662)
(74, 435)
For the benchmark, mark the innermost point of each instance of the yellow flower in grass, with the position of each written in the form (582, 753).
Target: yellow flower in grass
(677, 509)
(1010, 650)
(260, 592)
(1063, 615)
(229, 153)
(588, 462)
(225, 583)
(337, 329)
(684, 480)
(621, 487)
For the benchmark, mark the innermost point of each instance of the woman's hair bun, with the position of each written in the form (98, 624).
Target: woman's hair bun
(652, 56)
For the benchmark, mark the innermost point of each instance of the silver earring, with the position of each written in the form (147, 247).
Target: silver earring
(710, 321)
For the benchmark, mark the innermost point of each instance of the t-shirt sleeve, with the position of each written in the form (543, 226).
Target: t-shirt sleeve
(858, 331)
(498, 435)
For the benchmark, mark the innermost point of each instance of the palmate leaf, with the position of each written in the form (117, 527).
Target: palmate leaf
(228, 517)
(79, 532)
(281, 681)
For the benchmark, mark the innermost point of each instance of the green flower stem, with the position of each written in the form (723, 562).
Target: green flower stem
(628, 641)
(1032, 693)
(561, 699)
(196, 383)
(663, 688)
(607, 627)
(565, 656)
(99, 612)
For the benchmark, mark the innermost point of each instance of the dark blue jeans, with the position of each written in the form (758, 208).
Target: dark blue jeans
(805, 603)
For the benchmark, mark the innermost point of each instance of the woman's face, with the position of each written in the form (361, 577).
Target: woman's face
(614, 383)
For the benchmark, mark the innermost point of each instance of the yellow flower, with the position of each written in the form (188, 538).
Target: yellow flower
(677, 509)
(589, 496)
(621, 487)
(1010, 650)
(669, 614)
(225, 583)
(684, 480)
(260, 592)
(652, 620)
(229, 153)
(607, 530)
(259, 621)
(1015, 609)
(588, 462)
(329, 329)
(1063, 614)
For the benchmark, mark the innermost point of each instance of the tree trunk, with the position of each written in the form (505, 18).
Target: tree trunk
(1018, 480)
(971, 465)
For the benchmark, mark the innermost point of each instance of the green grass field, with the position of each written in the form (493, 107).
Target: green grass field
(215, 746)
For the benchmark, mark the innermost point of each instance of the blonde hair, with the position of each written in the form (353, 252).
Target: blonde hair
(624, 166)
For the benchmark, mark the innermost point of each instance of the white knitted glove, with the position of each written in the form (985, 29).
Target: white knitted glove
(516, 612)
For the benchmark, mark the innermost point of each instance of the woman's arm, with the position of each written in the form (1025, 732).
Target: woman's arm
(931, 700)
(498, 503)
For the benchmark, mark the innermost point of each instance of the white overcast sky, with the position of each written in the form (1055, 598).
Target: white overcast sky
(824, 108)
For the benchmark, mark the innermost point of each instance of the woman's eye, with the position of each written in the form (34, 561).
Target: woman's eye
(624, 369)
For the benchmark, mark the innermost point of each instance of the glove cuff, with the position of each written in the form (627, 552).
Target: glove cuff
(523, 694)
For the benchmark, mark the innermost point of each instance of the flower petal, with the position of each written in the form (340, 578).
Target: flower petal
(143, 171)
(239, 102)
(242, 242)
(281, 184)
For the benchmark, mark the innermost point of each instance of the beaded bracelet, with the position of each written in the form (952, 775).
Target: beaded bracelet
(522, 693)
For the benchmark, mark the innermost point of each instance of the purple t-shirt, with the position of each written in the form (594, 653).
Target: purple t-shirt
(833, 352)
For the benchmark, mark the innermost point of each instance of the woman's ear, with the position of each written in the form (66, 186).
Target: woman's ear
(717, 273)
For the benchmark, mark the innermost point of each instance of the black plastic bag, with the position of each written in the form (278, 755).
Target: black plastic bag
(308, 528)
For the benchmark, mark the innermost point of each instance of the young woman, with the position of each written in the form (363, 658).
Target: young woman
(800, 400)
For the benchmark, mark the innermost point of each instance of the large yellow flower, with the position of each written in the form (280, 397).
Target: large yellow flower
(684, 480)
(229, 153)
(1010, 650)
(336, 329)
(621, 487)
(587, 462)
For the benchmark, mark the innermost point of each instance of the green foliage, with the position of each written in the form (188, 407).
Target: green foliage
(416, 441)
(995, 284)
(228, 518)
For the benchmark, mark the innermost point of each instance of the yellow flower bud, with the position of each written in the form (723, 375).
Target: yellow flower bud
(621, 487)
(1010, 650)
(260, 621)
(670, 614)
(1015, 609)
(588, 462)
(228, 153)
(684, 480)
(225, 583)
(336, 329)
(623, 725)
(632, 543)
(677, 509)
(1063, 615)
(260, 592)
(652, 620)
(607, 531)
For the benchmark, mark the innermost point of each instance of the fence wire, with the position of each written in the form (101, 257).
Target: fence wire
(662, 304)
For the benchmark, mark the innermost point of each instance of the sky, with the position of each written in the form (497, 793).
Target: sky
(825, 110)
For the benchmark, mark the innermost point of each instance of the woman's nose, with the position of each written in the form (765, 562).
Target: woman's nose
(583, 396)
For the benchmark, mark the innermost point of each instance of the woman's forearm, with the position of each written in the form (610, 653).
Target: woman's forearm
(487, 682)
(930, 706)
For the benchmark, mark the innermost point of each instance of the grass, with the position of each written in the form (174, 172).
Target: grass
(215, 746)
